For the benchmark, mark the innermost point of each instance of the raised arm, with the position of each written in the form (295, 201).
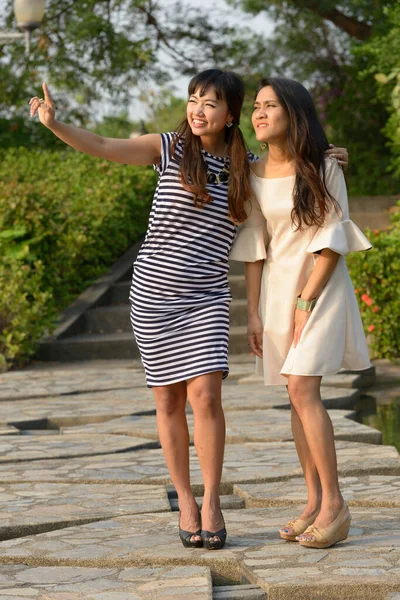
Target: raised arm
(144, 150)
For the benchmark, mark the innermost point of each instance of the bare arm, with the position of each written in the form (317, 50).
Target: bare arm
(253, 271)
(144, 150)
(323, 269)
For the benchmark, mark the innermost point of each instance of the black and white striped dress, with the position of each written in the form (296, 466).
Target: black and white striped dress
(180, 294)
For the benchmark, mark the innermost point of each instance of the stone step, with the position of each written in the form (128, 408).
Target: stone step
(236, 268)
(238, 286)
(238, 592)
(87, 346)
(119, 292)
(238, 340)
(109, 346)
(108, 319)
(115, 319)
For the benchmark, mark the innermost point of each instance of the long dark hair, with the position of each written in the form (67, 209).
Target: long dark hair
(307, 144)
(229, 87)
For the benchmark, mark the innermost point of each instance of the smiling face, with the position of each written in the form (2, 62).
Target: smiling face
(206, 114)
(270, 119)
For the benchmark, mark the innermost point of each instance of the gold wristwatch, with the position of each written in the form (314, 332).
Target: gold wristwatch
(306, 305)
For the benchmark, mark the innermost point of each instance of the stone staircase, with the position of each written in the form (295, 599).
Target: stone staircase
(97, 326)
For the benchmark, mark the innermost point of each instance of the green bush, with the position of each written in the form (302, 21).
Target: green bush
(25, 309)
(64, 218)
(376, 278)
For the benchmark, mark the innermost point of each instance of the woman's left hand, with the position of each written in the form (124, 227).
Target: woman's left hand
(340, 154)
(300, 319)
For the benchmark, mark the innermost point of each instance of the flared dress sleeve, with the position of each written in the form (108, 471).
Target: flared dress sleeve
(251, 241)
(338, 233)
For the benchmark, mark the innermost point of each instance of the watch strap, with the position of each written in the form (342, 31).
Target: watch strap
(306, 305)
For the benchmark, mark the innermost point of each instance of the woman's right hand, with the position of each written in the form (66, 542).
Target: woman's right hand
(44, 107)
(255, 335)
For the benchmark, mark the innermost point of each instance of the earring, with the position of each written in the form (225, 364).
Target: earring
(263, 146)
(229, 124)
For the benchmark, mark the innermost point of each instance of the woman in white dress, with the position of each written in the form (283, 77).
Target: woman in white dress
(304, 320)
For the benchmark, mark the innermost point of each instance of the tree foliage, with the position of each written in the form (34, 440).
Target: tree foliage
(97, 49)
(376, 277)
(384, 53)
(64, 218)
(314, 44)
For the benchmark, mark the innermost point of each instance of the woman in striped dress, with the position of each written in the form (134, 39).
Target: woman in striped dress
(180, 294)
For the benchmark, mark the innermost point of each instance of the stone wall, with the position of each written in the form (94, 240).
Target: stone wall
(372, 211)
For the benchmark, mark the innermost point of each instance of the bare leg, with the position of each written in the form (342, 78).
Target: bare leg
(318, 432)
(174, 438)
(204, 393)
(309, 469)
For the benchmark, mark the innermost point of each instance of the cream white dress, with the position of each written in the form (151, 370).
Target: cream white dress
(333, 336)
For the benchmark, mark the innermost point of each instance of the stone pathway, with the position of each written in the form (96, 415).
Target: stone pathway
(24, 448)
(130, 583)
(88, 513)
(361, 490)
(241, 426)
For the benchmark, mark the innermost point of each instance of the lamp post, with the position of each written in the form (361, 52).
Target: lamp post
(29, 15)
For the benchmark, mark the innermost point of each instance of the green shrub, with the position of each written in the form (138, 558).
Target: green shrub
(25, 309)
(376, 278)
(64, 219)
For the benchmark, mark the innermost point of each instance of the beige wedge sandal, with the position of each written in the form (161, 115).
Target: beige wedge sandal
(299, 526)
(328, 536)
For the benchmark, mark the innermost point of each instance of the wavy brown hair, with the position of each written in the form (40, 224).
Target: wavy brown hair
(307, 144)
(228, 87)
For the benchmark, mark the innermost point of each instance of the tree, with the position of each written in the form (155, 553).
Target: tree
(355, 18)
(95, 49)
(384, 53)
(316, 45)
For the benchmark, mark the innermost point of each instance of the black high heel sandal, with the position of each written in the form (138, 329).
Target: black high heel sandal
(186, 536)
(211, 544)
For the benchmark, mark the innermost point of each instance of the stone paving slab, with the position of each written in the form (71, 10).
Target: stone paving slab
(241, 426)
(35, 507)
(34, 383)
(45, 380)
(79, 583)
(274, 425)
(364, 490)
(8, 430)
(249, 462)
(259, 396)
(26, 448)
(96, 407)
(368, 560)
(76, 409)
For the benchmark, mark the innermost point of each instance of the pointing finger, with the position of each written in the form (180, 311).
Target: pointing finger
(47, 96)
